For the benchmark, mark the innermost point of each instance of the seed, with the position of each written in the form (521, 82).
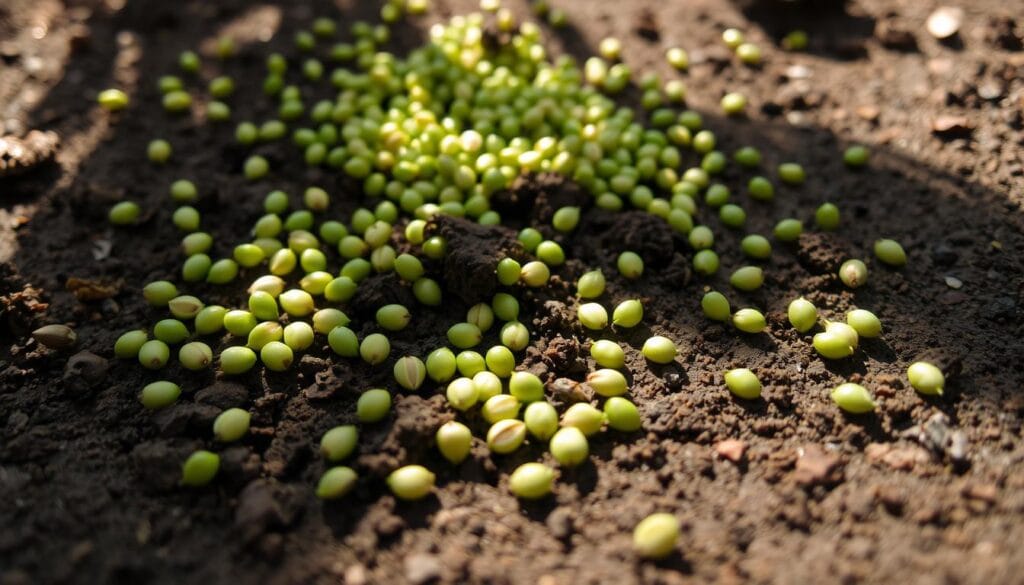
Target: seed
(325, 320)
(336, 483)
(732, 215)
(760, 189)
(749, 53)
(827, 217)
(584, 417)
(340, 289)
(56, 336)
(270, 284)
(628, 313)
(608, 354)
(170, 331)
(566, 219)
(701, 237)
(541, 420)
(412, 482)
(210, 319)
(373, 405)
(659, 349)
(158, 293)
(196, 268)
(435, 247)
(195, 355)
(231, 425)
(803, 315)
(853, 398)
(864, 322)
(124, 213)
(734, 103)
(569, 447)
(788, 230)
(480, 315)
(715, 306)
(706, 262)
(717, 195)
(749, 321)
(756, 246)
(343, 342)
(154, 354)
(427, 291)
(500, 407)
(297, 303)
(535, 274)
(509, 271)
(505, 306)
(177, 101)
(795, 41)
(487, 385)
(853, 273)
(264, 333)
(792, 173)
(237, 360)
(441, 364)
(622, 415)
(454, 441)
(748, 156)
(464, 335)
(833, 344)
(926, 378)
(239, 323)
(185, 306)
(526, 387)
(747, 278)
(159, 394)
(393, 317)
(592, 316)
(608, 382)
(200, 468)
(890, 252)
(505, 436)
(339, 442)
(531, 481)
(276, 356)
(677, 58)
(500, 361)
(550, 253)
(856, 156)
(128, 344)
(112, 100)
(655, 536)
(374, 349)
(743, 383)
(732, 38)
(410, 372)
(470, 363)
(158, 151)
(255, 167)
(630, 265)
(298, 335)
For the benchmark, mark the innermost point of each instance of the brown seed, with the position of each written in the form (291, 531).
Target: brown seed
(55, 336)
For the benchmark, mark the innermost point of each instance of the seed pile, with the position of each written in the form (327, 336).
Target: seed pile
(438, 132)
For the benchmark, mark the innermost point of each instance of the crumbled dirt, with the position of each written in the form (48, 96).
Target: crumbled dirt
(785, 489)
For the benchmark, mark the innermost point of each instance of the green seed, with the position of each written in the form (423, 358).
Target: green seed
(622, 415)
(864, 322)
(505, 436)
(154, 354)
(541, 420)
(343, 342)
(195, 355)
(197, 243)
(853, 398)
(373, 405)
(732, 215)
(196, 268)
(487, 385)
(734, 103)
(410, 372)
(749, 321)
(470, 363)
(747, 278)
(393, 317)
(569, 447)
(239, 323)
(701, 238)
(298, 335)
(336, 483)
(255, 167)
(500, 407)
(374, 349)
(608, 382)
(756, 246)
(297, 303)
(890, 252)
(717, 195)
(715, 306)
(792, 173)
(277, 356)
(531, 481)
(222, 271)
(628, 313)
(427, 291)
(325, 320)
(748, 156)
(159, 394)
(743, 383)
(505, 306)
(158, 293)
(454, 441)
(210, 320)
(185, 306)
(338, 443)
(170, 331)
(412, 482)
(853, 273)
(566, 219)
(200, 468)
(926, 378)
(480, 315)
(706, 262)
(441, 364)
(827, 217)
(124, 213)
(630, 265)
(526, 387)
(462, 394)
(608, 354)
(231, 425)
(535, 274)
(159, 151)
(659, 349)
(177, 101)
(655, 537)
(677, 58)
(833, 345)
(500, 361)
(409, 268)
(760, 189)
(237, 360)
(584, 417)
(788, 230)
(340, 289)
(803, 315)
(263, 305)
(509, 271)
(112, 100)
(464, 335)
(732, 38)
(550, 253)
(795, 41)
(856, 156)
(592, 316)
(749, 53)
(129, 343)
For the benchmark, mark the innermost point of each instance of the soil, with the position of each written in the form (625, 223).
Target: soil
(785, 489)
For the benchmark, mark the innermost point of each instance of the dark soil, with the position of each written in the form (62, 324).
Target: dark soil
(784, 489)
